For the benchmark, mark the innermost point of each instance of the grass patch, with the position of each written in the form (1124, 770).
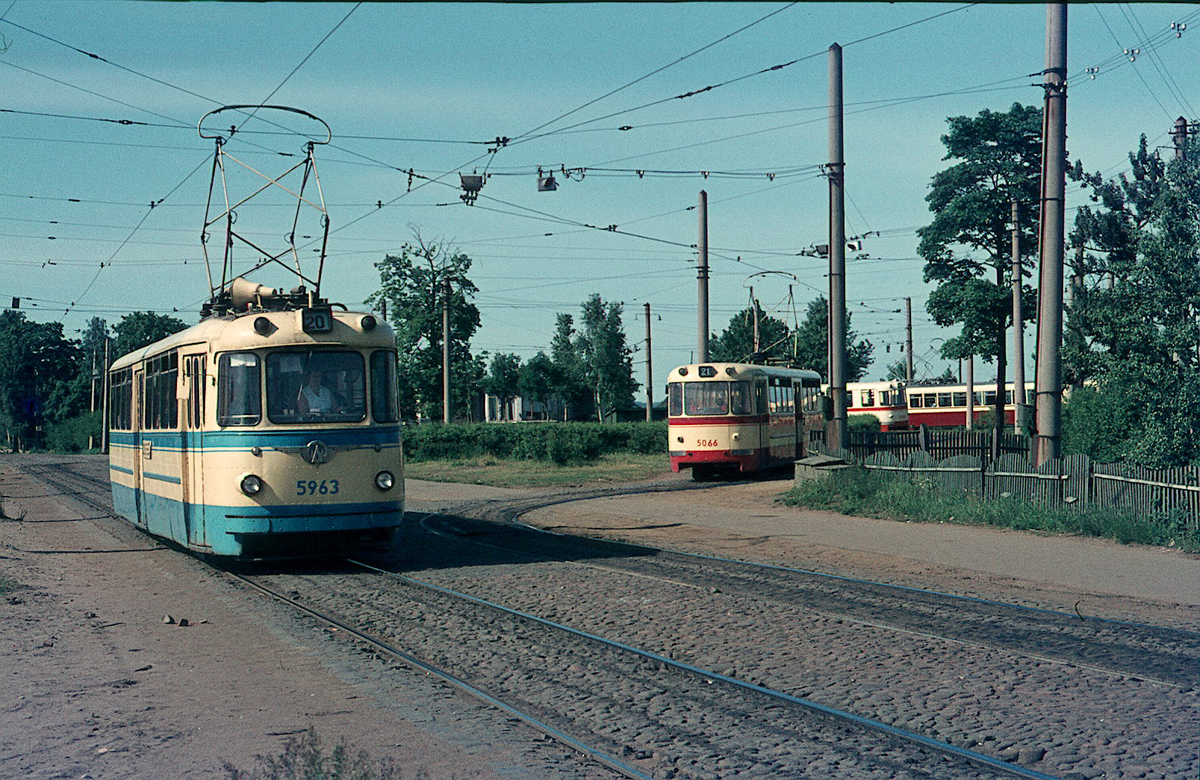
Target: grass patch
(512, 472)
(860, 492)
(7, 585)
(305, 758)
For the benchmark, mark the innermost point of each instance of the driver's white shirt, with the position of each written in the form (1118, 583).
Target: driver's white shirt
(319, 401)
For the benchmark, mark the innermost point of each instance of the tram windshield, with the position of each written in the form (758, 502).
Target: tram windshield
(315, 387)
(710, 398)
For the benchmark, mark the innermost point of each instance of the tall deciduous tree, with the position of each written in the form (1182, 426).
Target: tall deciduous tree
(414, 285)
(570, 375)
(537, 379)
(37, 369)
(1135, 315)
(141, 329)
(967, 248)
(607, 361)
(735, 344)
(812, 344)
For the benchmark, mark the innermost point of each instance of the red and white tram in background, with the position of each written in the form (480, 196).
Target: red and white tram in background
(883, 400)
(942, 406)
(736, 416)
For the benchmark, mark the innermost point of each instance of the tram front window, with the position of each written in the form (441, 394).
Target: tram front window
(315, 387)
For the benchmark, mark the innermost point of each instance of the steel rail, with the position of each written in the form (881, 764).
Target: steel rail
(840, 616)
(978, 759)
(559, 736)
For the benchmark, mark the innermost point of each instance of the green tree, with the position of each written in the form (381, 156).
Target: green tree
(607, 361)
(735, 344)
(141, 329)
(414, 285)
(38, 378)
(1135, 316)
(537, 379)
(997, 157)
(569, 374)
(812, 344)
(503, 378)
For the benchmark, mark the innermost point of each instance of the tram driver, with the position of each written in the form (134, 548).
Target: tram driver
(314, 398)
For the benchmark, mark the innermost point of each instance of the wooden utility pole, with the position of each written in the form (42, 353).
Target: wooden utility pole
(649, 371)
(908, 354)
(446, 350)
(1179, 134)
(837, 254)
(1054, 157)
(702, 278)
(754, 313)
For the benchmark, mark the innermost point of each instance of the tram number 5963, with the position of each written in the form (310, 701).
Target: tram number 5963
(326, 487)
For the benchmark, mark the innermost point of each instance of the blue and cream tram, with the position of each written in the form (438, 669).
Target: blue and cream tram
(268, 429)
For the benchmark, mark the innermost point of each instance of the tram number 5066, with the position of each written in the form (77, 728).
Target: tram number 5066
(706, 442)
(326, 487)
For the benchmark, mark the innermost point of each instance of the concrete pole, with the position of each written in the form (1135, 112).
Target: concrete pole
(446, 350)
(92, 388)
(837, 254)
(649, 371)
(970, 393)
(1049, 358)
(104, 400)
(1019, 396)
(702, 278)
(754, 310)
(908, 353)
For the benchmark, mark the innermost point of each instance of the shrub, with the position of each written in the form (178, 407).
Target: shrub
(862, 422)
(304, 758)
(560, 443)
(71, 435)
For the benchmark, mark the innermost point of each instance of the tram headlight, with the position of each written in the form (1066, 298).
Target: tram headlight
(384, 480)
(251, 485)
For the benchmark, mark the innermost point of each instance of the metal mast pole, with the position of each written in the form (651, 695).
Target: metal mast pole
(649, 371)
(1049, 359)
(1179, 134)
(837, 254)
(702, 277)
(754, 312)
(908, 355)
(446, 350)
(1020, 398)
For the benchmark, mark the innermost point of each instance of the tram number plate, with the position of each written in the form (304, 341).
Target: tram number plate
(317, 320)
(706, 442)
(311, 487)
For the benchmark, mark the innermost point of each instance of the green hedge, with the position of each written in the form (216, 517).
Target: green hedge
(561, 443)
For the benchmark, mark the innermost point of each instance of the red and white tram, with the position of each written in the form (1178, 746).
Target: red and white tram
(941, 406)
(883, 400)
(736, 416)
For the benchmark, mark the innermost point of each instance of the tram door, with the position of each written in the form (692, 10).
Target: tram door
(136, 419)
(193, 449)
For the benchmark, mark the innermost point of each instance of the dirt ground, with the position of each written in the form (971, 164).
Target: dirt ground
(97, 685)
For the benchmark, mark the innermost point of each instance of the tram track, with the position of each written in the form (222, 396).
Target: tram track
(583, 722)
(618, 699)
(1167, 656)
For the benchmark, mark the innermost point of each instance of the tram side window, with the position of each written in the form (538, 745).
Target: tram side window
(161, 410)
(120, 400)
(384, 403)
(239, 397)
(960, 399)
(674, 399)
(914, 401)
(868, 397)
(741, 397)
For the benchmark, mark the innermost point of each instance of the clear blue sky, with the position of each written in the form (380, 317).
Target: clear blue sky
(420, 75)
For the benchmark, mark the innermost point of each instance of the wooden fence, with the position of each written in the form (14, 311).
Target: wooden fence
(1073, 482)
(940, 443)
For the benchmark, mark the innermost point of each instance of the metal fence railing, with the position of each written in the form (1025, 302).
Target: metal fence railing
(961, 464)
